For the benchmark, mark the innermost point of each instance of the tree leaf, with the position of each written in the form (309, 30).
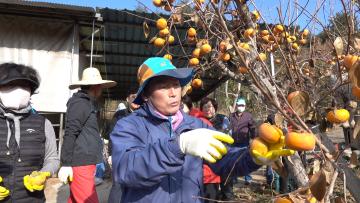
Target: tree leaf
(201, 42)
(279, 119)
(316, 166)
(300, 103)
(357, 44)
(339, 46)
(195, 18)
(178, 18)
(177, 15)
(328, 171)
(146, 29)
(354, 74)
(318, 185)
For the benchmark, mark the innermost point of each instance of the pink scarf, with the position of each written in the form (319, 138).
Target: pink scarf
(175, 119)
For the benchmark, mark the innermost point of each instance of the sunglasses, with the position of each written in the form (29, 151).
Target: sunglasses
(241, 105)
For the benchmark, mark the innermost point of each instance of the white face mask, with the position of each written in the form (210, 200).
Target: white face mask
(15, 97)
(240, 109)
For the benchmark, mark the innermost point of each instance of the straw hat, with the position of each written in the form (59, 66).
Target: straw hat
(91, 76)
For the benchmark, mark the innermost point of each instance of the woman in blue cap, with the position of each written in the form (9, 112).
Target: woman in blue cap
(158, 150)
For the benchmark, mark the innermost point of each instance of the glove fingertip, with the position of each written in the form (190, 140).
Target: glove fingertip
(209, 158)
(291, 152)
(2, 189)
(223, 151)
(224, 138)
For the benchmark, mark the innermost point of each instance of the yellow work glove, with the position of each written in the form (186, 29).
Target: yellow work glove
(36, 180)
(204, 143)
(4, 192)
(263, 156)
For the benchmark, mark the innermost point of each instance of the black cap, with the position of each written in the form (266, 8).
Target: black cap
(10, 72)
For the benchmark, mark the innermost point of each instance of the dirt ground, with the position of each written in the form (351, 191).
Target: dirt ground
(56, 192)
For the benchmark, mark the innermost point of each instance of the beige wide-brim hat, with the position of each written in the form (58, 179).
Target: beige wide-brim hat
(91, 76)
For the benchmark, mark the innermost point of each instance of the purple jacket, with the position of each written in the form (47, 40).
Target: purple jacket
(242, 127)
(150, 167)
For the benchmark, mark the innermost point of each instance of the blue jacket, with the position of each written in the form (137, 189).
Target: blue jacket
(150, 167)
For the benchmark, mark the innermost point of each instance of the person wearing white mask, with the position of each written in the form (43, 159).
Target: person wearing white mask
(242, 127)
(28, 152)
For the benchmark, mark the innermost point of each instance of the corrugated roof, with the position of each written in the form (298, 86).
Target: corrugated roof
(124, 48)
(47, 5)
(47, 10)
(120, 46)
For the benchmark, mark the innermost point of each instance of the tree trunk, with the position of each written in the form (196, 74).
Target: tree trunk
(297, 170)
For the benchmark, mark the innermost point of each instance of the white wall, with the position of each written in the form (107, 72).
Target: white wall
(51, 47)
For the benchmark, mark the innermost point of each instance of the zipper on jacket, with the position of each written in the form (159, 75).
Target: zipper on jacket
(171, 130)
(12, 190)
(169, 177)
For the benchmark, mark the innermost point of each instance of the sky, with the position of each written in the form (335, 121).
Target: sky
(268, 8)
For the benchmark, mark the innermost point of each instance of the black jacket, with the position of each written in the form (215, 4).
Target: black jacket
(16, 162)
(82, 142)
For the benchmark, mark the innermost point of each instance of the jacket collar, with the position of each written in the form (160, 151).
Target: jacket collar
(80, 95)
(148, 111)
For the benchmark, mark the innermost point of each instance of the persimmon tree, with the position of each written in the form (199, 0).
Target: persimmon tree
(233, 40)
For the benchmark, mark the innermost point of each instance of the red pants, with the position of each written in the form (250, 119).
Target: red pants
(82, 188)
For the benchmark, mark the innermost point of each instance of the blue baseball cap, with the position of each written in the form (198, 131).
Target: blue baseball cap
(159, 66)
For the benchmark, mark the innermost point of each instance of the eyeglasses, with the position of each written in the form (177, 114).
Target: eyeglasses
(240, 105)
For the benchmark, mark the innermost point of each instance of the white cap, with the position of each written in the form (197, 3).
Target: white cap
(240, 101)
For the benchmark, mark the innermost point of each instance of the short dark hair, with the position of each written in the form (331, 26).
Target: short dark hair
(205, 100)
(85, 87)
(132, 90)
(187, 101)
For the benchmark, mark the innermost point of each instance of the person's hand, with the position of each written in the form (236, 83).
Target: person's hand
(4, 192)
(274, 152)
(65, 174)
(36, 180)
(204, 143)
